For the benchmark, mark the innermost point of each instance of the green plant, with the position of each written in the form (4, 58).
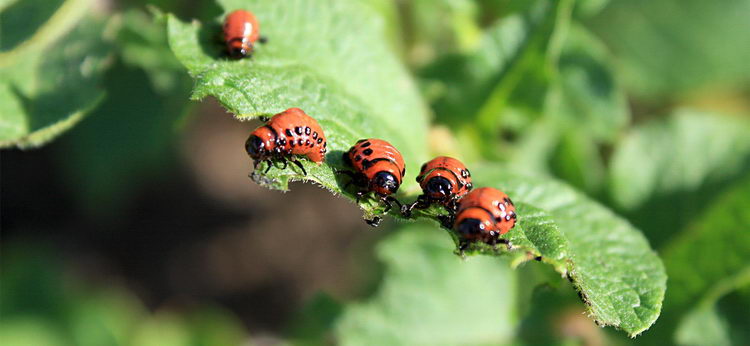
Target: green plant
(526, 93)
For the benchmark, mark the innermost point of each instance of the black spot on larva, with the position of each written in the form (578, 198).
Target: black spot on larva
(358, 158)
(468, 174)
(464, 173)
(469, 186)
(289, 132)
(320, 140)
(424, 165)
(298, 130)
(308, 143)
(361, 140)
(300, 141)
(513, 215)
(507, 200)
(366, 144)
(366, 164)
(324, 144)
(307, 130)
(291, 143)
(315, 135)
(367, 152)
(403, 172)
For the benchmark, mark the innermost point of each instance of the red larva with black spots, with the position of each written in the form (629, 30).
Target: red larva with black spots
(241, 32)
(378, 168)
(483, 215)
(444, 180)
(291, 132)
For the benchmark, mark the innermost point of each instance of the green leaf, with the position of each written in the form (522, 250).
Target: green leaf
(142, 42)
(147, 91)
(703, 260)
(715, 247)
(585, 94)
(618, 275)
(338, 68)
(30, 331)
(313, 325)
(674, 46)
(436, 27)
(36, 100)
(577, 161)
(664, 172)
(430, 297)
(704, 325)
(509, 53)
(584, 109)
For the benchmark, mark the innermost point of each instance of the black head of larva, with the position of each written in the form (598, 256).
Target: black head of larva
(471, 227)
(255, 147)
(439, 186)
(384, 183)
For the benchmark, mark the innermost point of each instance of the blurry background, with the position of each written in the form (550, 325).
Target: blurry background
(140, 225)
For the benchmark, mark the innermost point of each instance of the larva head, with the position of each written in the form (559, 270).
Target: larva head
(261, 143)
(384, 183)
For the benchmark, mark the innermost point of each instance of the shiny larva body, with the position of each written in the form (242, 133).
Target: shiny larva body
(379, 164)
(444, 180)
(378, 167)
(483, 215)
(241, 32)
(291, 132)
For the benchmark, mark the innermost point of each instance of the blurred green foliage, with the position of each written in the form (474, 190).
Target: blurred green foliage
(41, 303)
(275, 75)
(641, 105)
